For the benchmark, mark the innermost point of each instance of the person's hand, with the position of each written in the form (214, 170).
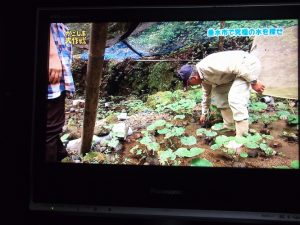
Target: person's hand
(55, 69)
(258, 87)
(202, 119)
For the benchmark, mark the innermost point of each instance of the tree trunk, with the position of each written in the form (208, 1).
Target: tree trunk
(93, 79)
(221, 38)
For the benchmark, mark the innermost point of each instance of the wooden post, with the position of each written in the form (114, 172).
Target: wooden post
(94, 76)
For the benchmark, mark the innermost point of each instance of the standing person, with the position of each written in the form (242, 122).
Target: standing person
(226, 78)
(60, 85)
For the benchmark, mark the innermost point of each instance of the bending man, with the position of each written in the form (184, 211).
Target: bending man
(226, 78)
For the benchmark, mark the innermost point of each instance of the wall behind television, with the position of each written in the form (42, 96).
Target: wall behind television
(17, 69)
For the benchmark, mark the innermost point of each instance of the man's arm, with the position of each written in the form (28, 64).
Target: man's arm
(55, 66)
(206, 100)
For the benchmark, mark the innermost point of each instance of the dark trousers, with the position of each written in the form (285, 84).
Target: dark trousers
(55, 150)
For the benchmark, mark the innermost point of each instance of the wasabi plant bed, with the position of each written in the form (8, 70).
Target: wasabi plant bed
(166, 132)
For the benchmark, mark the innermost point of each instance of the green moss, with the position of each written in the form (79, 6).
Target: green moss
(159, 98)
(111, 119)
(162, 77)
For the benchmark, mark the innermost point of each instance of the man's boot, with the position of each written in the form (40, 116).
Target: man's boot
(228, 122)
(242, 127)
(227, 118)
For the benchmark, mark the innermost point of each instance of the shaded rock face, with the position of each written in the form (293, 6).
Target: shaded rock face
(279, 59)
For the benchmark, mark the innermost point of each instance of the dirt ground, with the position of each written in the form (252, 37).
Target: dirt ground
(220, 159)
(286, 151)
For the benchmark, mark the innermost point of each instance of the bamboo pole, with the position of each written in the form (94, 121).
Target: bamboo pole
(94, 76)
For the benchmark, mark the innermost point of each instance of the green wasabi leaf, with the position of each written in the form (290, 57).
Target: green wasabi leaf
(243, 154)
(195, 151)
(201, 162)
(182, 152)
(191, 140)
(295, 164)
(164, 131)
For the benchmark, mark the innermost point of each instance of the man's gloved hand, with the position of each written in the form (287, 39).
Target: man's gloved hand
(202, 119)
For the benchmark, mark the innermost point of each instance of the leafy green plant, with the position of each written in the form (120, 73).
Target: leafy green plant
(136, 150)
(258, 106)
(267, 119)
(113, 143)
(64, 138)
(164, 156)
(181, 117)
(164, 131)
(184, 152)
(253, 118)
(281, 106)
(281, 167)
(243, 154)
(283, 114)
(207, 133)
(268, 150)
(218, 126)
(295, 164)
(293, 119)
(175, 132)
(201, 162)
(159, 123)
(134, 106)
(191, 140)
(93, 157)
(151, 127)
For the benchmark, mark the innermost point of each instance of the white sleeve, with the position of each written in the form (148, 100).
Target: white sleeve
(206, 98)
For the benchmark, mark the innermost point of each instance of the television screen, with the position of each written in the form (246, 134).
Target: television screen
(142, 108)
(145, 115)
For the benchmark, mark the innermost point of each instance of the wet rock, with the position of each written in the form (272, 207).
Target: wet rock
(208, 140)
(252, 131)
(64, 129)
(103, 149)
(103, 144)
(265, 131)
(78, 103)
(119, 147)
(96, 148)
(185, 123)
(76, 157)
(192, 120)
(137, 135)
(252, 153)
(74, 145)
(291, 137)
(120, 130)
(101, 128)
(276, 144)
(122, 116)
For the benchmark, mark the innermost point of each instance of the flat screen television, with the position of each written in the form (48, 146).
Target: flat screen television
(148, 155)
